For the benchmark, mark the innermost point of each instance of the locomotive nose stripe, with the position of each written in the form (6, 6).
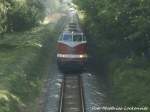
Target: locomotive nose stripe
(72, 55)
(72, 44)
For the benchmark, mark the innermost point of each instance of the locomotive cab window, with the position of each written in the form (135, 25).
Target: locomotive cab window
(61, 37)
(77, 38)
(84, 38)
(67, 37)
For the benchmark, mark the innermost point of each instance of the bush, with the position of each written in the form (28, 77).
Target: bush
(9, 102)
(119, 31)
(130, 81)
(20, 15)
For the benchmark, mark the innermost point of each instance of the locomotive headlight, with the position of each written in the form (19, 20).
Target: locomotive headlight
(83, 56)
(72, 55)
(60, 55)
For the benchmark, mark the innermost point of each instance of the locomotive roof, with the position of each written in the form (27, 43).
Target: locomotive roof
(73, 32)
(73, 29)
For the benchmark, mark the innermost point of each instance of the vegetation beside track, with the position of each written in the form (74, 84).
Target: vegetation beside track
(118, 33)
(18, 74)
(24, 58)
(25, 48)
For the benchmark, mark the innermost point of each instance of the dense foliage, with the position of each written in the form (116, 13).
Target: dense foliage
(18, 15)
(20, 77)
(124, 22)
(25, 61)
(24, 51)
(120, 30)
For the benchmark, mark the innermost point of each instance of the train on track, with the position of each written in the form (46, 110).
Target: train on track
(72, 47)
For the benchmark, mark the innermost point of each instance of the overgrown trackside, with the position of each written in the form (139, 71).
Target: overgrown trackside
(119, 31)
(24, 58)
(17, 54)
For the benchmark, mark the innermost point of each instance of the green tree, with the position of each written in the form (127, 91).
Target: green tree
(18, 15)
(126, 22)
(120, 30)
(4, 6)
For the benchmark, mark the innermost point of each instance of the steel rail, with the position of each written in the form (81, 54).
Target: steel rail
(82, 94)
(63, 94)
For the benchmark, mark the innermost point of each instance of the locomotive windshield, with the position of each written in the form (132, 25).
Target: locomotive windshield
(67, 37)
(77, 38)
(70, 37)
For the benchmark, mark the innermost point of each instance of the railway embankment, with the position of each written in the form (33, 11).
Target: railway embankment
(24, 61)
(119, 49)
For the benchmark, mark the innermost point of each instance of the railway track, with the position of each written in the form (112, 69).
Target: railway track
(72, 98)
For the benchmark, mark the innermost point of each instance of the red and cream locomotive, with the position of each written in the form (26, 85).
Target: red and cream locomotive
(72, 48)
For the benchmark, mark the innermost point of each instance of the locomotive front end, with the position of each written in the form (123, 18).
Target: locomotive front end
(72, 50)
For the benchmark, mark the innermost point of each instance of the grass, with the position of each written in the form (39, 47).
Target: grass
(22, 60)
